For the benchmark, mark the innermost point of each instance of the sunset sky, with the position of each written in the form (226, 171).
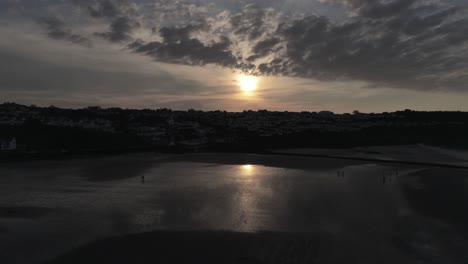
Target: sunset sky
(295, 55)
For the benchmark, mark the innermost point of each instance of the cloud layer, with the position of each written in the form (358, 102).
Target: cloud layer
(408, 44)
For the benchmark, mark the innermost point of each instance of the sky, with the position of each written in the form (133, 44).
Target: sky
(291, 55)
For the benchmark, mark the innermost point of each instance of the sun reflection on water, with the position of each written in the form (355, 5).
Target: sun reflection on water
(248, 169)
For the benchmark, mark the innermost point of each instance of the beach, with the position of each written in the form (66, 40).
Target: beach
(336, 210)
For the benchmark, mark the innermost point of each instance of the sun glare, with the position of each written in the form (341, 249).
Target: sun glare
(247, 83)
(247, 170)
(247, 167)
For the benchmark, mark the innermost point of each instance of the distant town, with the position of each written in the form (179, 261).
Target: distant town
(31, 130)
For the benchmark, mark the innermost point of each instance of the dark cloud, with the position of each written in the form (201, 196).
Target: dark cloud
(409, 51)
(57, 30)
(121, 15)
(264, 47)
(389, 44)
(120, 29)
(176, 34)
(104, 9)
(190, 51)
(412, 44)
(250, 22)
(377, 8)
(179, 46)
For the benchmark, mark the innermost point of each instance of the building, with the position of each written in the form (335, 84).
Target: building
(8, 144)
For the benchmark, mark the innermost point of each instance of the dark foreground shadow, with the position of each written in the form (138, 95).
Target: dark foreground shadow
(444, 199)
(199, 247)
(27, 212)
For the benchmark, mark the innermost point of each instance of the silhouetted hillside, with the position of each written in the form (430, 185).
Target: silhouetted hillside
(94, 129)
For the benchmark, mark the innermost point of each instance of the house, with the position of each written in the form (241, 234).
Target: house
(8, 144)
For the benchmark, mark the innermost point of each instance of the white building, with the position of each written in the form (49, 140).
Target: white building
(7, 144)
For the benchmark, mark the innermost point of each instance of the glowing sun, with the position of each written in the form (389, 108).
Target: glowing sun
(247, 83)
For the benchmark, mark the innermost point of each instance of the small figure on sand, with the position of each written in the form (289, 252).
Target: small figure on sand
(142, 178)
(340, 173)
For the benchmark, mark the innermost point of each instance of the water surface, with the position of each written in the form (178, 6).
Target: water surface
(371, 210)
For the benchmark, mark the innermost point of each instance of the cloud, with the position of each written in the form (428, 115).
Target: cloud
(265, 47)
(57, 30)
(410, 44)
(176, 34)
(105, 8)
(189, 51)
(178, 45)
(376, 8)
(399, 44)
(121, 14)
(396, 45)
(120, 29)
(250, 22)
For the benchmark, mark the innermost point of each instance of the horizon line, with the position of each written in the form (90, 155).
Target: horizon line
(96, 107)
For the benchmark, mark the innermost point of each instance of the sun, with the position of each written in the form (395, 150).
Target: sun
(248, 83)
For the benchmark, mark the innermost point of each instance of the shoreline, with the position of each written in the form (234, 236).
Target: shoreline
(402, 162)
(349, 154)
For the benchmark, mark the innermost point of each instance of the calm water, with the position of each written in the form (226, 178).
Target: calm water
(48, 208)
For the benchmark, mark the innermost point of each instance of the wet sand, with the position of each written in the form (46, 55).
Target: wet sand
(23, 212)
(202, 247)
